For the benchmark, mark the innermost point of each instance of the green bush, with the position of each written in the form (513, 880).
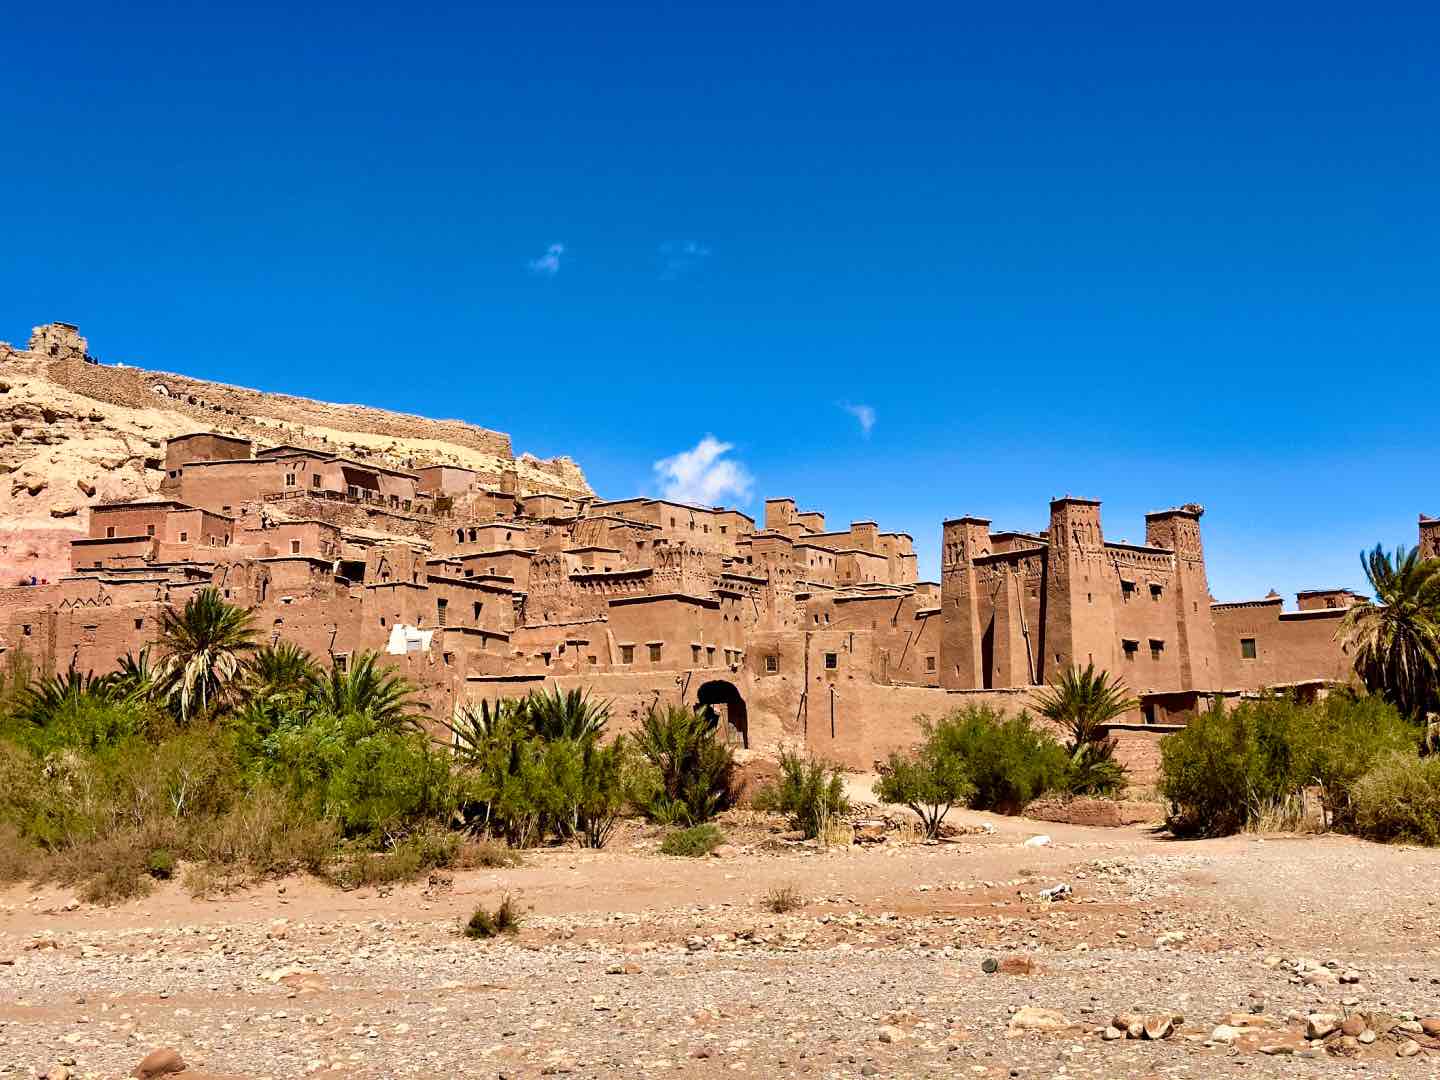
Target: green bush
(160, 864)
(1399, 800)
(1009, 760)
(483, 923)
(692, 772)
(1229, 768)
(928, 781)
(810, 792)
(694, 842)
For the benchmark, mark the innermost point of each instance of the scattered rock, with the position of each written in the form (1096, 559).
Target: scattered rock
(1030, 1018)
(1431, 1026)
(1037, 841)
(1321, 1025)
(889, 1033)
(1018, 965)
(1407, 1049)
(1112, 1033)
(1353, 1025)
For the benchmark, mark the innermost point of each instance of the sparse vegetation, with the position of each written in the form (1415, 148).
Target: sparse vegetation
(695, 842)
(783, 899)
(485, 924)
(809, 791)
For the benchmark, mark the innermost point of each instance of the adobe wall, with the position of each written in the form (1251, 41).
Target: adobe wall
(1290, 646)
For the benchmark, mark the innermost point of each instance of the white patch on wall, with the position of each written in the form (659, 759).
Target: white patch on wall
(408, 639)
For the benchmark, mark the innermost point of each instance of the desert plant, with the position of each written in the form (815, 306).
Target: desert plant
(694, 771)
(378, 697)
(783, 899)
(1084, 702)
(809, 791)
(558, 714)
(486, 854)
(694, 842)
(160, 864)
(1394, 640)
(203, 647)
(283, 668)
(77, 710)
(929, 780)
(1399, 800)
(484, 923)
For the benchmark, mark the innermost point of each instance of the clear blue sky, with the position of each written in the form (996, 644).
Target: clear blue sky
(1140, 252)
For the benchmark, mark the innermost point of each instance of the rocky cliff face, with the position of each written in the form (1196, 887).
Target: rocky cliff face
(74, 433)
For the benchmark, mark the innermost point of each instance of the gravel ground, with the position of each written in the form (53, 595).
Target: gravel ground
(629, 963)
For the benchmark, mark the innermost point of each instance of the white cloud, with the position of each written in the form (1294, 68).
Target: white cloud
(703, 474)
(677, 260)
(864, 415)
(548, 265)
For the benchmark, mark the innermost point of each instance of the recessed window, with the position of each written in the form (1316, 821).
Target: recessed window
(1127, 590)
(772, 663)
(929, 663)
(294, 547)
(695, 651)
(832, 661)
(440, 611)
(289, 479)
(149, 530)
(109, 532)
(709, 655)
(1247, 648)
(1156, 648)
(1130, 647)
(627, 654)
(139, 624)
(314, 479)
(655, 653)
(1155, 590)
(342, 661)
(184, 536)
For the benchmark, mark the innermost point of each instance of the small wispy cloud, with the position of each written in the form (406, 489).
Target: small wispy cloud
(677, 260)
(703, 474)
(864, 416)
(548, 265)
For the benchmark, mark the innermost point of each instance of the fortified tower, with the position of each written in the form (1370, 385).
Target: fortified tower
(1079, 605)
(1429, 537)
(963, 540)
(1179, 530)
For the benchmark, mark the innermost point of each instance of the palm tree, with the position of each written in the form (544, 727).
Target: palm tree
(558, 715)
(381, 697)
(204, 644)
(136, 677)
(282, 668)
(1394, 640)
(1084, 703)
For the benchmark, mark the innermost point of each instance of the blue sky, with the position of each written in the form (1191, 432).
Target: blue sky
(1143, 254)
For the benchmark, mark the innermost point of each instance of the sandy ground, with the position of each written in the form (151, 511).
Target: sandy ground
(630, 963)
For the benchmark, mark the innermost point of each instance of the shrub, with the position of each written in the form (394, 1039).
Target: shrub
(783, 899)
(1230, 768)
(810, 791)
(505, 919)
(405, 860)
(694, 842)
(486, 854)
(1399, 800)
(693, 771)
(929, 781)
(160, 864)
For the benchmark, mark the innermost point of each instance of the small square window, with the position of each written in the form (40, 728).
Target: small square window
(109, 532)
(772, 663)
(1156, 648)
(294, 547)
(139, 624)
(655, 654)
(1131, 648)
(1155, 590)
(25, 629)
(1247, 648)
(1127, 590)
(627, 654)
(314, 479)
(832, 661)
(929, 663)
(184, 536)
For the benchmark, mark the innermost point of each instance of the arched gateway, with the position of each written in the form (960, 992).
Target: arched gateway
(720, 699)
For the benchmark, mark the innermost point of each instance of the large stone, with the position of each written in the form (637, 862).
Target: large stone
(160, 1062)
(1431, 1026)
(1321, 1025)
(1408, 1048)
(1352, 1025)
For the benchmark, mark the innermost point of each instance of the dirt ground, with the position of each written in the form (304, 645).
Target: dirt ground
(634, 964)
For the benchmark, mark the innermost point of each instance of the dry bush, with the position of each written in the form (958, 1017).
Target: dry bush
(783, 899)
(483, 923)
(694, 842)
(487, 854)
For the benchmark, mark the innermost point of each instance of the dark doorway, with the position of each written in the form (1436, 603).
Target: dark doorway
(723, 703)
